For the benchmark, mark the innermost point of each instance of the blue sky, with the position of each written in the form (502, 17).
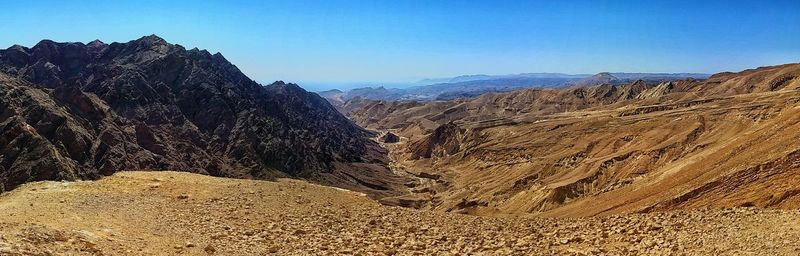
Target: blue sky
(332, 42)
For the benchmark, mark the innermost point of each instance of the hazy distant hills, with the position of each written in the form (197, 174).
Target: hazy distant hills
(468, 86)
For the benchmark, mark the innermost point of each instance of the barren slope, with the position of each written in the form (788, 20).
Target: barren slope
(414, 118)
(727, 141)
(171, 213)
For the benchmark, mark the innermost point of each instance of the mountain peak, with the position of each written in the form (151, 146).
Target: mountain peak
(44, 43)
(604, 74)
(598, 79)
(17, 47)
(286, 87)
(639, 82)
(96, 42)
(96, 46)
(152, 40)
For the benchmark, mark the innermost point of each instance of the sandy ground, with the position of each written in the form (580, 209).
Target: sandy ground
(170, 213)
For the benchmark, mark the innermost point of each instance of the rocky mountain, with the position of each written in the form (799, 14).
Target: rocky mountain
(598, 79)
(725, 141)
(599, 90)
(626, 78)
(659, 76)
(81, 111)
(422, 118)
(339, 97)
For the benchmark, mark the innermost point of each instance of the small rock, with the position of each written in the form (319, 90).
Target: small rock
(210, 249)
(274, 249)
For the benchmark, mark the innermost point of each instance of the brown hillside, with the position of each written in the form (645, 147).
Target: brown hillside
(726, 141)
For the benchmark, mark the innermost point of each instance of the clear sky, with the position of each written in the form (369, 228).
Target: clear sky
(330, 41)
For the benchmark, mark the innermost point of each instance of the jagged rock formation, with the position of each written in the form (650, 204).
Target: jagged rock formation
(661, 89)
(74, 110)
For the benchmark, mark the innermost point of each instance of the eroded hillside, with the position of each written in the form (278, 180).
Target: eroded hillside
(726, 141)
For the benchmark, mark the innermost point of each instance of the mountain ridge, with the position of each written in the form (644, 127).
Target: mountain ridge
(149, 104)
(600, 149)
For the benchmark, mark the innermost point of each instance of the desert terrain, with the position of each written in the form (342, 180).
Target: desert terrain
(175, 213)
(723, 142)
(147, 148)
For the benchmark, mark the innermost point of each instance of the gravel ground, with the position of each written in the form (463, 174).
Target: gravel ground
(169, 213)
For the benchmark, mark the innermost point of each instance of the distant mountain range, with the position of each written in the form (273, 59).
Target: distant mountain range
(469, 86)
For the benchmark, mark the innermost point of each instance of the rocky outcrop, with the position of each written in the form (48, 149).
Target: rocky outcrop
(444, 141)
(39, 139)
(149, 104)
(390, 138)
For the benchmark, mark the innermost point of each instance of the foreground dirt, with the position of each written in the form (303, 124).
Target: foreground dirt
(169, 213)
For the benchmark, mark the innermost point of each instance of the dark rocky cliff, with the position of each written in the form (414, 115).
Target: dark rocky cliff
(74, 110)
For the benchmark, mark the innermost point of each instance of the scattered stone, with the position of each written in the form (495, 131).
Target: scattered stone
(210, 249)
(335, 222)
